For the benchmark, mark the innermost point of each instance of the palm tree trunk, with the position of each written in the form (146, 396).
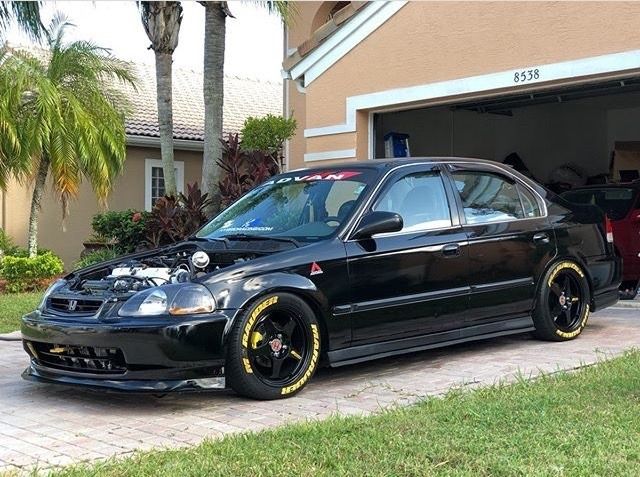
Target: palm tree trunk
(38, 189)
(213, 89)
(165, 120)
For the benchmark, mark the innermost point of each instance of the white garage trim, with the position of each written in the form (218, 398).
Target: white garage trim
(328, 155)
(597, 65)
(343, 40)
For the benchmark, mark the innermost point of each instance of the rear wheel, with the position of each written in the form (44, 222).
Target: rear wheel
(273, 348)
(562, 305)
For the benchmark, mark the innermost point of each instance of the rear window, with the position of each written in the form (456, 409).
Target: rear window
(615, 202)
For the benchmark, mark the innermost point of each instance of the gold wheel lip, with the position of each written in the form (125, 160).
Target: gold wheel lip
(580, 305)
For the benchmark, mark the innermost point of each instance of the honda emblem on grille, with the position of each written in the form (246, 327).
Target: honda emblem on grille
(72, 305)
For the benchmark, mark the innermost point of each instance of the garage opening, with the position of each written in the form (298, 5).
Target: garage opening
(564, 137)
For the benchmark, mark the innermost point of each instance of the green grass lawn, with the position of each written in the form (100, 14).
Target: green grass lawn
(585, 423)
(13, 306)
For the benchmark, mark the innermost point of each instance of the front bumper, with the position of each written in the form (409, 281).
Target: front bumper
(42, 374)
(142, 354)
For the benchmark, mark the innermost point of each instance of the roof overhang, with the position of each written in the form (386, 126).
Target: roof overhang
(150, 141)
(338, 44)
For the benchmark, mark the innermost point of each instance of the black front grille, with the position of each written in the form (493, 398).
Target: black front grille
(83, 359)
(83, 306)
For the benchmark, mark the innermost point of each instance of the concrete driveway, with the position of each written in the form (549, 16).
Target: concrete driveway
(45, 425)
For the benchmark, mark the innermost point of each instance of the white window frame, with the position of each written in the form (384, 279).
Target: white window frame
(149, 164)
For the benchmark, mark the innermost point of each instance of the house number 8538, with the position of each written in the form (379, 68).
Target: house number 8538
(525, 76)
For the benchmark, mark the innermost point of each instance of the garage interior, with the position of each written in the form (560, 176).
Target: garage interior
(565, 137)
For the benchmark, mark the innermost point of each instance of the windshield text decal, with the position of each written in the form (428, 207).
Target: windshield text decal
(320, 176)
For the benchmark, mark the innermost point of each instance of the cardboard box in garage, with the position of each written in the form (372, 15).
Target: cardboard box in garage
(625, 165)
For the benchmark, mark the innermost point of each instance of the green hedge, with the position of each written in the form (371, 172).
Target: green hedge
(125, 227)
(27, 274)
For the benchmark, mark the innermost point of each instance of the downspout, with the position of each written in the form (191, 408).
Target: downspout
(285, 94)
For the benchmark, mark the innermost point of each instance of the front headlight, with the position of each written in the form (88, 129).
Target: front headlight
(145, 303)
(192, 299)
(52, 288)
(178, 299)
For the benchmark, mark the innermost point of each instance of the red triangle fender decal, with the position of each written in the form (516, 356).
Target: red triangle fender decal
(315, 269)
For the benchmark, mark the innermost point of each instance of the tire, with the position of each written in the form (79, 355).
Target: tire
(562, 303)
(628, 290)
(273, 348)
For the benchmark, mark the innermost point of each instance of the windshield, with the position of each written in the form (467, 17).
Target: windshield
(302, 206)
(615, 202)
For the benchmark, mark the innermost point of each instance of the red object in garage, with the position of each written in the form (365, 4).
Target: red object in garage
(621, 203)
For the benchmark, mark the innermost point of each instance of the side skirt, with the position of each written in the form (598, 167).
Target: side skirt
(358, 354)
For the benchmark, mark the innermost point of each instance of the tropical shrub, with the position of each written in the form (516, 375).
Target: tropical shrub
(97, 256)
(7, 247)
(30, 274)
(268, 135)
(242, 170)
(125, 229)
(176, 218)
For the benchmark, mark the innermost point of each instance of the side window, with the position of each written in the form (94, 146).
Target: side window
(420, 199)
(529, 202)
(488, 197)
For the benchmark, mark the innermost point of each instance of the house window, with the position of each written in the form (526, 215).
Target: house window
(154, 181)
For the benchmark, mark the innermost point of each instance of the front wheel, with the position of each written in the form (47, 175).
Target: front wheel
(273, 348)
(562, 304)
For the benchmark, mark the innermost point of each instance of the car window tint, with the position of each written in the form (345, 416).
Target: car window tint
(529, 202)
(488, 197)
(342, 198)
(420, 199)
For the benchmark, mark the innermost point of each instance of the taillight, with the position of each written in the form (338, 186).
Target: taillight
(608, 227)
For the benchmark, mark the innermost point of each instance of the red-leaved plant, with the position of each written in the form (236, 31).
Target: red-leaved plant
(175, 218)
(242, 170)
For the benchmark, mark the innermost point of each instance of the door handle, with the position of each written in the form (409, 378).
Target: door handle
(451, 250)
(541, 237)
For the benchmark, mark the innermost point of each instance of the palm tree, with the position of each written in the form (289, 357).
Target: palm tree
(216, 14)
(25, 14)
(14, 159)
(71, 116)
(161, 21)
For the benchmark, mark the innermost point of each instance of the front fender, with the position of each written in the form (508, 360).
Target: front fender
(238, 295)
(245, 291)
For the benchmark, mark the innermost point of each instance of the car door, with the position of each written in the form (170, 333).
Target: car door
(510, 241)
(412, 282)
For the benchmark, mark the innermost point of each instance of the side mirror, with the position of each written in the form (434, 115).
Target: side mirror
(378, 223)
(635, 215)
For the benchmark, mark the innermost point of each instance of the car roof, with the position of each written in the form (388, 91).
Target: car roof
(394, 162)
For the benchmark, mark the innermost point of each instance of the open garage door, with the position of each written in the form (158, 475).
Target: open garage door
(564, 137)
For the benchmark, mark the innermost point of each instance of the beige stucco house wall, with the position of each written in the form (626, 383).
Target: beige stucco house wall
(428, 53)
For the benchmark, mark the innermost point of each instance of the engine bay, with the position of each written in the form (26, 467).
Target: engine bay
(178, 264)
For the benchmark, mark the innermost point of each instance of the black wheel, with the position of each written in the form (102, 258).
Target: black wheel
(562, 305)
(273, 348)
(628, 290)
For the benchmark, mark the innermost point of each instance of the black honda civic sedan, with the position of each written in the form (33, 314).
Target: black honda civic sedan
(330, 266)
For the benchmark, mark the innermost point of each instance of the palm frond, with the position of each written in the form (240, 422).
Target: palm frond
(25, 14)
(287, 11)
(67, 112)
